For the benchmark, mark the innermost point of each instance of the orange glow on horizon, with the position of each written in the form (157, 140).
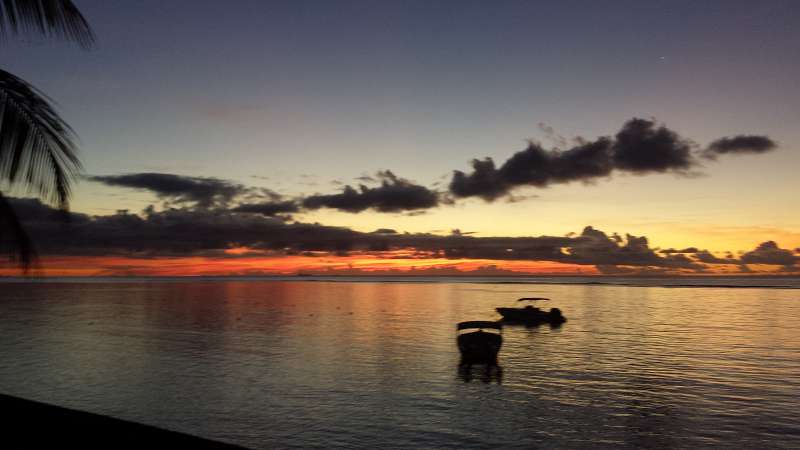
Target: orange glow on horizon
(285, 265)
(244, 262)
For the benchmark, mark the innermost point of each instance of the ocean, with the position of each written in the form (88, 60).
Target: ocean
(346, 362)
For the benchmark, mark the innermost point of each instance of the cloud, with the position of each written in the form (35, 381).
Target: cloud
(640, 147)
(385, 231)
(393, 195)
(533, 166)
(270, 208)
(484, 181)
(171, 232)
(743, 143)
(769, 253)
(458, 232)
(703, 256)
(203, 192)
(210, 232)
(206, 232)
(632, 271)
(707, 257)
(668, 251)
(596, 247)
(551, 134)
(643, 146)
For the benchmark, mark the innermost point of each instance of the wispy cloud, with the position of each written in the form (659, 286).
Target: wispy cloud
(202, 191)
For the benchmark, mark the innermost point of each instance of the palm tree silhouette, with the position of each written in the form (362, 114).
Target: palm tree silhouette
(38, 153)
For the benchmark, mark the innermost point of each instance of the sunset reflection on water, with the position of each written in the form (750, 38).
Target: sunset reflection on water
(311, 364)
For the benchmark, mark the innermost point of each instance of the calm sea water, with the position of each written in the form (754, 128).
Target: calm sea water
(366, 364)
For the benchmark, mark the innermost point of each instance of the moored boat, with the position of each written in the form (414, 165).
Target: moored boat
(531, 315)
(479, 341)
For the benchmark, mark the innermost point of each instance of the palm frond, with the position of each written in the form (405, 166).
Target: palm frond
(37, 148)
(51, 18)
(13, 238)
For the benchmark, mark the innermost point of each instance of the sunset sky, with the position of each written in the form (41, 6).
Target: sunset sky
(230, 130)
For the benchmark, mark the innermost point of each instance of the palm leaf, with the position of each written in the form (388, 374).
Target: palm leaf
(37, 148)
(13, 238)
(51, 18)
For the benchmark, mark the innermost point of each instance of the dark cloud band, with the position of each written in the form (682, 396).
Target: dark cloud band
(185, 232)
(269, 209)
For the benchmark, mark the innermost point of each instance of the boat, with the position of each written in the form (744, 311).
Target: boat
(479, 341)
(531, 315)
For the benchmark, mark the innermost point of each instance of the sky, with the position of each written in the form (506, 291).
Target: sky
(613, 117)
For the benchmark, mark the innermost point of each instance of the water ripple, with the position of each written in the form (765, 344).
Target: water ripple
(285, 364)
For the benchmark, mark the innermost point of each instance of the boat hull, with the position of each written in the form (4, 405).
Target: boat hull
(479, 347)
(531, 316)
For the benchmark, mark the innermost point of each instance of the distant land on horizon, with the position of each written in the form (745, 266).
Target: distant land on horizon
(315, 277)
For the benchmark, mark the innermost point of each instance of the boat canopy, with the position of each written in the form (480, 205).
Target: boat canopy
(530, 299)
(480, 324)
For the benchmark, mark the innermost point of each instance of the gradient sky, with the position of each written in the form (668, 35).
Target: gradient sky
(298, 95)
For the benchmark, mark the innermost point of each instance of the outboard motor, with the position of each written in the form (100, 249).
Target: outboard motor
(556, 318)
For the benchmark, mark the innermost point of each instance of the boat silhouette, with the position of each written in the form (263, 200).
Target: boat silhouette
(479, 341)
(531, 315)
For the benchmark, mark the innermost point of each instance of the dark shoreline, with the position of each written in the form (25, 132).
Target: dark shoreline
(30, 424)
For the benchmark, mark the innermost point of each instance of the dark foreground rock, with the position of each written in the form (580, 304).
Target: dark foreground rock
(28, 424)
